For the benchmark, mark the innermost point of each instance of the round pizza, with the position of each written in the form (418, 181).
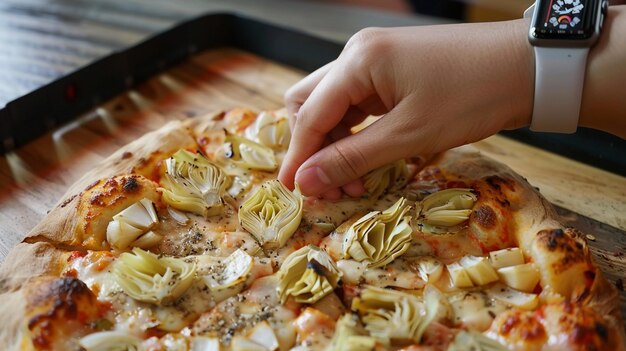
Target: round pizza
(185, 240)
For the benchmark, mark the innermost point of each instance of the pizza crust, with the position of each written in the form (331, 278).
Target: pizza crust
(561, 254)
(140, 157)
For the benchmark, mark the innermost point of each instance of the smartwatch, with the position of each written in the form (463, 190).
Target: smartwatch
(561, 33)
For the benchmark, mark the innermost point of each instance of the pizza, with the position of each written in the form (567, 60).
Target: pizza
(185, 240)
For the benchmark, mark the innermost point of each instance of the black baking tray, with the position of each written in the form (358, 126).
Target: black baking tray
(30, 116)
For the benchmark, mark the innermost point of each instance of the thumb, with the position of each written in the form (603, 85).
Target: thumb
(386, 140)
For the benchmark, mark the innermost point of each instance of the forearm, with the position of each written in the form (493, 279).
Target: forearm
(604, 100)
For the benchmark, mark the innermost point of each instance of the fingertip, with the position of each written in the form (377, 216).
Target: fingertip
(313, 181)
(286, 176)
(332, 195)
(354, 188)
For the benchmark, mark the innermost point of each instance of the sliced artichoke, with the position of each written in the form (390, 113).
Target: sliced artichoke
(429, 269)
(390, 315)
(379, 237)
(468, 340)
(350, 336)
(110, 341)
(249, 154)
(438, 308)
(270, 129)
(444, 211)
(272, 214)
(146, 277)
(389, 178)
(133, 224)
(233, 271)
(195, 184)
(308, 275)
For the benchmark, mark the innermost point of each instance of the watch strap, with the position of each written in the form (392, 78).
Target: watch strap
(559, 78)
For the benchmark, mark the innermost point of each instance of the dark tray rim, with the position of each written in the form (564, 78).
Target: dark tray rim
(62, 100)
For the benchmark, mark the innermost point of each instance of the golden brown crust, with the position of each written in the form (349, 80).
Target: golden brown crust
(99, 203)
(26, 261)
(140, 157)
(557, 326)
(568, 273)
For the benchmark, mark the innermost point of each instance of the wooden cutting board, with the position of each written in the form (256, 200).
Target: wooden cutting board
(36, 176)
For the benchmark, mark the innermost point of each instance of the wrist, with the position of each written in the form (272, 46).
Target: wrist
(603, 105)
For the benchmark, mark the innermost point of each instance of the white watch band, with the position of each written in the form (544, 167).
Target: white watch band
(559, 78)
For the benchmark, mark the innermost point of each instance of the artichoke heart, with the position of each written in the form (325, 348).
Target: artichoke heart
(379, 237)
(270, 129)
(234, 271)
(308, 275)
(468, 340)
(110, 341)
(390, 315)
(350, 336)
(391, 177)
(272, 214)
(444, 210)
(146, 277)
(193, 183)
(132, 226)
(249, 154)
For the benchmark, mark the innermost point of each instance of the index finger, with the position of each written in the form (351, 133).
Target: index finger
(319, 114)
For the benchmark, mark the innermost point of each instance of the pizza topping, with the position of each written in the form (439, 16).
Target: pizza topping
(270, 129)
(193, 183)
(444, 211)
(146, 277)
(506, 257)
(248, 154)
(233, 271)
(180, 217)
(513, 297)
(110, 340)
(379, 237)
(264, 335)
(460, 277)
(429, 269)
(389, 315)
(204, 343)
(479, 270)
(350, 336)
(132, 227)
(523, 277)
(308, 275)
(272, 214)
(388, 178)
(468, 340)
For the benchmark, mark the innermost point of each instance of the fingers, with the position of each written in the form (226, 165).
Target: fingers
(344, 161)
(337, 93)
(299, 92)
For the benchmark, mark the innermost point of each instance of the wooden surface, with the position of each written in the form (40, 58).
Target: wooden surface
(41, 40)
(35, 177)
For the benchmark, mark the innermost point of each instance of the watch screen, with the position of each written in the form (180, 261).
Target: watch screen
(565, 19)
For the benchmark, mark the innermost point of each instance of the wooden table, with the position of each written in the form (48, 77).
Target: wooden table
(33, 178)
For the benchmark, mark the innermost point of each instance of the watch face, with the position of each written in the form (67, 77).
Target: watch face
(565, 19)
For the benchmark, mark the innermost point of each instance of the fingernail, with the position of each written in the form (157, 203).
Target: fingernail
(313, 180)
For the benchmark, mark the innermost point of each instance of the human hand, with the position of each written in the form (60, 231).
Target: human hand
(437, 86)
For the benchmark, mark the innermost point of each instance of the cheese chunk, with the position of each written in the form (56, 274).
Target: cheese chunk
(506, 257)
